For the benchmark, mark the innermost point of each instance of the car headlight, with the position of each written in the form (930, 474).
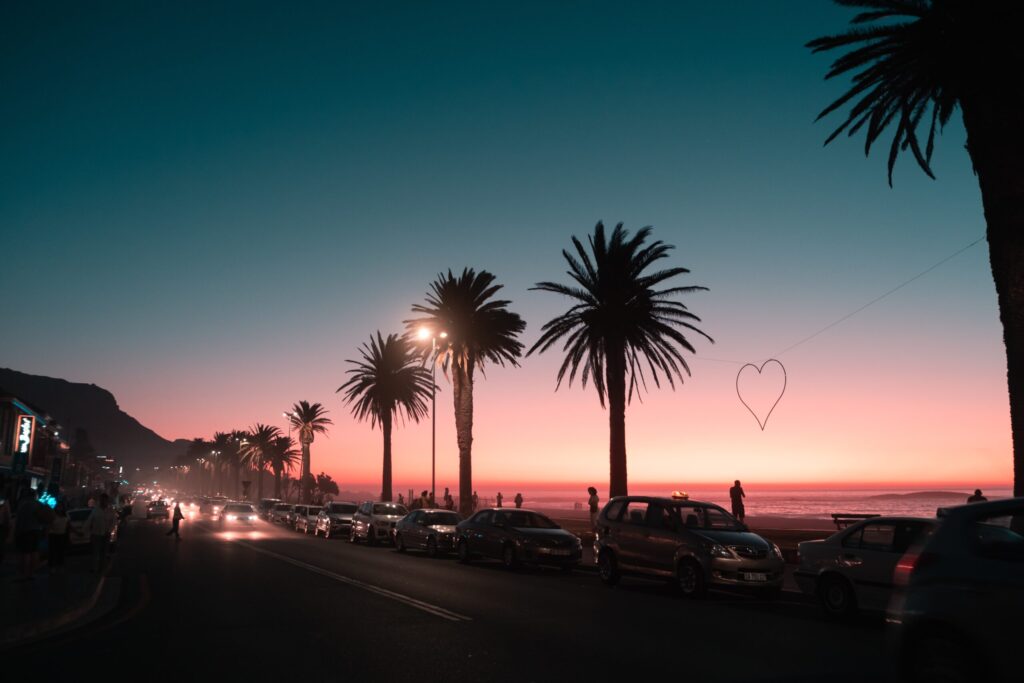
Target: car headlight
(232, 518)
(719, 550)
(775, 551)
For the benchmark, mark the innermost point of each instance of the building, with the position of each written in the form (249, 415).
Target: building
(32, 446)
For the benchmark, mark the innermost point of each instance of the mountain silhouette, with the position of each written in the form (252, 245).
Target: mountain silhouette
(112, 431)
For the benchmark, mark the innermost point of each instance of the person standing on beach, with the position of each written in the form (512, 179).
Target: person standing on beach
(977, 497)
(519, 500)
(176, 522)
(499, 498)
(593, 502)
(736, 495)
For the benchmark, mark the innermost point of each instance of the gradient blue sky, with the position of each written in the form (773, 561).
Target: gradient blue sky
(205, 207)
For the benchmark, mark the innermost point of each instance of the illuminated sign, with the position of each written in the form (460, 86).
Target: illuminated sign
(26, 426)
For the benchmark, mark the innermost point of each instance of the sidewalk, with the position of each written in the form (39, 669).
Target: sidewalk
(48, 602)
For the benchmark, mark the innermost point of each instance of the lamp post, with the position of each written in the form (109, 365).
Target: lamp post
(423, 334)
(288, 415)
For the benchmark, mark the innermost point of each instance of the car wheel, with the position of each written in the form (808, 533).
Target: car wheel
(399, 543)
(432, 547)
(508, 556)
(836, 596)
(352, 538)
(690, 579)
(463, 552)
(608, 568)
(371, 536)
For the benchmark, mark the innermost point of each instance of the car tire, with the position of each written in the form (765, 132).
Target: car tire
(371, 536)
(462, 550)
(352, 538)
(836, 596)
(608, 568)
(690, 579)
(399, 543)
(432, 547)
(508, 556)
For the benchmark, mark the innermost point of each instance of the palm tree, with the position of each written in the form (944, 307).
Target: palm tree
(239, 439)
(479, 329)
(259, 450)
(309, 420)
(227, 452)
(912, 63)
(618, 323)
(199, 454)
(389, 381)
(282, 458)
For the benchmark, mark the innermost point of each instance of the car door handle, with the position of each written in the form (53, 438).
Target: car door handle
(849, 560)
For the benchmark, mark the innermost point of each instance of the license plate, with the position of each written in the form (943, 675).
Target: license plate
(754, 576)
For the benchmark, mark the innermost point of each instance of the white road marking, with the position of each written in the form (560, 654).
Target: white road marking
(384, 592)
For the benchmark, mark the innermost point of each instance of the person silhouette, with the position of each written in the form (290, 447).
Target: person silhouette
(977, 497)
(593, 502)
(519, 500)
(499, 498)
(736, 495)
(176, 521)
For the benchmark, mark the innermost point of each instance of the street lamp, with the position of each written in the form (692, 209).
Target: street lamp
(288, 415)
(424, 334)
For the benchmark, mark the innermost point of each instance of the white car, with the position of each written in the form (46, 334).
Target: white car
(238, 514)
(853, 569)
(305, 517)
(374, 522)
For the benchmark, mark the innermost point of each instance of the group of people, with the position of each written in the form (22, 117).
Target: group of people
(518, 500)
(35, 523)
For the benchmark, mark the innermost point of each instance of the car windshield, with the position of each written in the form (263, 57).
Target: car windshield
(282, 508)
(388, 509)
(238, 508)
(705, 517)
(440, 519)
(521, 519)
(346, 508)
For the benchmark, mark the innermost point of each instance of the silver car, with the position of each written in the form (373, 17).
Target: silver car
(432, 530)
(853, 569)
(695, 545)
(279, 513)
(958, 618)
(305, 517)
(373, 522)
(335, 519)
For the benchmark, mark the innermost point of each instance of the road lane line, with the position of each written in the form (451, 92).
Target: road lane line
(384, 592)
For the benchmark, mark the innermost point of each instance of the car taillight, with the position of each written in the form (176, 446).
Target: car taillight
(910, 564)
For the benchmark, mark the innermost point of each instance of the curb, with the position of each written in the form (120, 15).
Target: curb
(17, 635)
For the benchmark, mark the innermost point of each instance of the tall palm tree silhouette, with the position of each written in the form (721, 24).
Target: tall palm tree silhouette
(258, 452)
(388, 382)
(617, 324)
(913, 62)
(309, 420)
(282, 458)
(480, 329)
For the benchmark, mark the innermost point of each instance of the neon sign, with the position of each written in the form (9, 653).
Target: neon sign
(26, 426)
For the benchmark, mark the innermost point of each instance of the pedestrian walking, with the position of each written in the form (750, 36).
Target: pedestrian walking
(57, 542)
(593, 503)
(977, 497)
(176, 522)
(519, 500)
(736, 495)
(475, 501)
(99, 525)
(499, 498)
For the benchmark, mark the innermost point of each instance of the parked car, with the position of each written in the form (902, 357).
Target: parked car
(335, 519)
(373, 522)
(304, 517)
(279, 513)
(157, 508)
(265, 505)
(853, 569)
(696, 545)
(237, 514)
(217, 504)
(432, 530)
(78, 535)
(515, 536)
(958, 618)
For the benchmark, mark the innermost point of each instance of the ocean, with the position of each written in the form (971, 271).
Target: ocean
(798, 503)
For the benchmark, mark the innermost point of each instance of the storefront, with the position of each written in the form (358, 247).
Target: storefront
(32, 449)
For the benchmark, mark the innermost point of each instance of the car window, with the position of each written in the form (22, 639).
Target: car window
(999, 538)
(482, 517)
(614, 509)
(660, 517)
(717, 518)
(636, 512)
(878, 537)
(852, 539)
(690, 516)
(522, 519)
(908, 534)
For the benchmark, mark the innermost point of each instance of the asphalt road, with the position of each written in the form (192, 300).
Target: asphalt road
(269, 603)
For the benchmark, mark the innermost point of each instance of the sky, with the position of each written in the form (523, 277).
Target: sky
(208, 207)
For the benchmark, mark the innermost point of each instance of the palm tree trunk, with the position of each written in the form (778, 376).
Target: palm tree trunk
(462, 388)
(305, 472)
(277, 483)
(615, 381)
(385, 485)
(995, 141)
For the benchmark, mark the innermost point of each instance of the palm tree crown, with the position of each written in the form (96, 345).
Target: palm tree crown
(309, 419)
(618, 307)
(388, 381)
(914, 72)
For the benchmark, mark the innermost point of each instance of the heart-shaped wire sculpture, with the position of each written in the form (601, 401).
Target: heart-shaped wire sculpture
(759, 369)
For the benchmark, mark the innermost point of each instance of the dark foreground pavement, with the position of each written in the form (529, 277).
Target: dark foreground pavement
(268, 603)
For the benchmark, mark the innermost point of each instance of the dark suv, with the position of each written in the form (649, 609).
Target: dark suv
(696, 545)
